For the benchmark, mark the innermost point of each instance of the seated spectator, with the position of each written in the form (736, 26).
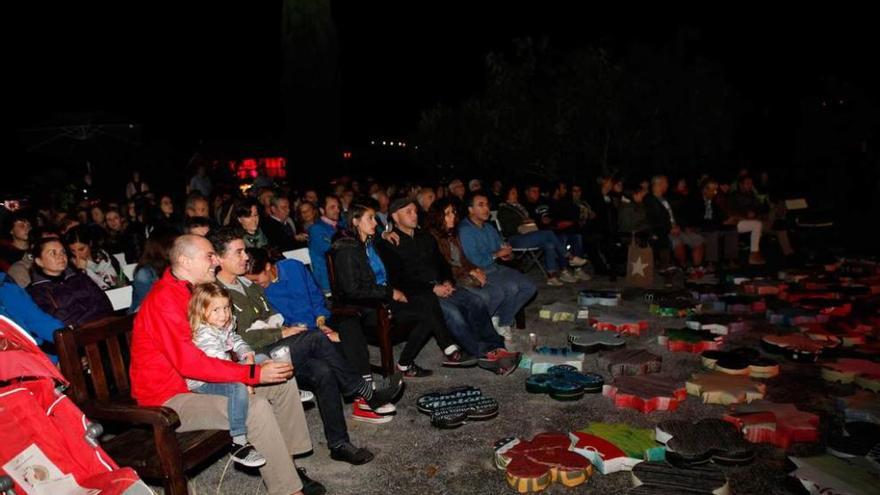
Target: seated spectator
(63, 292)
(482, 246)
(425, 197)
(596, 241)
(166, 217)
(292, 291)
(747, 203)
(197, 206)
(416, 266)
(201, 226)
(14, 244)
(247, 216)
(632, 217)
(264, 199)
(200, 182)
(496, 194)
(21, 270)
(97, 263)
(320, 238)
(151, 266)
(115, 240)
(279, 228)
(314, 357)
(18, 306)
(704, 213)
(311, 196)
(307, 213)
(163, 355)
(666, 228)
(362, 275)
(521, 231)
(135, 185)
(382, 204)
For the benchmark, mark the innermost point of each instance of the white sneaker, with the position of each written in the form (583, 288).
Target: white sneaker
(554, 282)
(306, 396)
(567, 277)
(576, 261)
(505, 332)
(496, 322)
(582, 275)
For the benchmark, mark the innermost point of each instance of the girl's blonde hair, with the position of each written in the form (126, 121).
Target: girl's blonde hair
(202, 296)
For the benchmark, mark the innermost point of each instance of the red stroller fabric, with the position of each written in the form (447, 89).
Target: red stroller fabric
(43, 443)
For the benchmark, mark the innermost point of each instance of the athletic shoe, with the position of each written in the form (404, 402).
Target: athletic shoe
(506, 332)
(386, 394)
(306, 396)
(459, 359)
(414, 371)
(567, 277)
(388, 408)
(554, 282)
(360, 411)
(582, 275)
(247, 455)
(576, 261)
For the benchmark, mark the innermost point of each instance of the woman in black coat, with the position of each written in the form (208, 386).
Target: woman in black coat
(65, 293)
(361, 275)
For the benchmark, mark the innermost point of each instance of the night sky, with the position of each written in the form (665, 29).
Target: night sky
(211, 71)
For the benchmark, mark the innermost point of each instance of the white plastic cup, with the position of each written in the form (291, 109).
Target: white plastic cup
(281, 354)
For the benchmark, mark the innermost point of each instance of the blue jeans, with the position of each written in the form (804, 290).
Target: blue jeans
(554, 251)
(236, 403)
(469, 323)
(511, 288)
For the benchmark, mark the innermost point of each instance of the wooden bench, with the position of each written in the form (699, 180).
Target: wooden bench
(95, 359)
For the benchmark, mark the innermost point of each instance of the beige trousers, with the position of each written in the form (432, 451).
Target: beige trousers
(276, 427)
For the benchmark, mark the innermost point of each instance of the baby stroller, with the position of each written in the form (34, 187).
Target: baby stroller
(47, 446)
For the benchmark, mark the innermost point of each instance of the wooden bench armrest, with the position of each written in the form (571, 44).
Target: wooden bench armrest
(162, 417)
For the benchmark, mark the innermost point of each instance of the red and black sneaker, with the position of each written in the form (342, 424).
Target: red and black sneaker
(501, 361)
(361, 411)
(459, 359)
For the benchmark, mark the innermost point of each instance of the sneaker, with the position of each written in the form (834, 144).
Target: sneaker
(310, 486)
(756, 259)
(306, 396)
(554, 282)
(582, 275)
(576, 261)
(384, 409)
(501, 361)
(506, 332)
(496, 322)
(414, 371)
(567, 277)
(361, 411)
(247, 455)
(351, 454)
(386, 394)
(459, 359)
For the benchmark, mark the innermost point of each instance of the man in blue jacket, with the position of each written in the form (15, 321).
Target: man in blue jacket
(18, 306)
(321, 236)
(292, 291)
(509, 290)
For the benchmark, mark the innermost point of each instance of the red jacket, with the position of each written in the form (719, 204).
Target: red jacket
(162, 349)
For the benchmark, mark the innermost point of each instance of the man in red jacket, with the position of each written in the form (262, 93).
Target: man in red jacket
(163, 356)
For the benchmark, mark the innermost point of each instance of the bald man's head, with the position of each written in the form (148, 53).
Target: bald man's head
(193, 259)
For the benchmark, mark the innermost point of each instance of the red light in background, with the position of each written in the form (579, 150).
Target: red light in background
(249, 167)
(346, 155)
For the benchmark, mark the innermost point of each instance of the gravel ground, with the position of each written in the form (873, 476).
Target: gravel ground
(414, 458)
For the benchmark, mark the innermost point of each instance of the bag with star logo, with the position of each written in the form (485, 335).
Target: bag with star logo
(639, 265)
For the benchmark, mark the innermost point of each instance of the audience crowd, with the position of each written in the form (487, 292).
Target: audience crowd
(439, 256)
